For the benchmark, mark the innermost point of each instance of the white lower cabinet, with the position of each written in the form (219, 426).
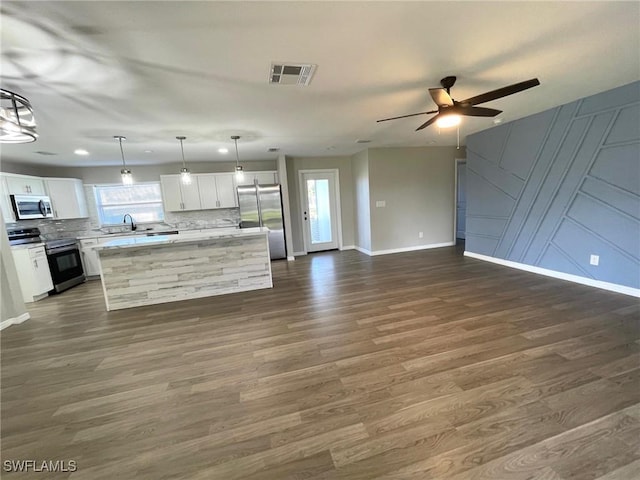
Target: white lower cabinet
(90, 261)
(33, 272)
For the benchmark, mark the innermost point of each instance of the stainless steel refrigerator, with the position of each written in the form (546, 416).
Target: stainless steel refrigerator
(261, 206)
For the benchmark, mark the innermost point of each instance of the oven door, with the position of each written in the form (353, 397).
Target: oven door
(65, 266)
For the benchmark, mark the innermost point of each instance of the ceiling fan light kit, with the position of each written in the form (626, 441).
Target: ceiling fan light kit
(17, 122)
(448, 108)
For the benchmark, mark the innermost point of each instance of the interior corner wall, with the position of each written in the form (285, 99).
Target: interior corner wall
(554, 188)
(12, 305)
(361, 201)
(343, 164)
(417, 186)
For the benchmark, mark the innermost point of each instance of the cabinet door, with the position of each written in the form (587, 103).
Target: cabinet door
(208, 191)
(191, 196)
(41, 275)
(171, 193)
(226, 187)
(25, 185)
(90, 261)
(265, 178)
(67, 197)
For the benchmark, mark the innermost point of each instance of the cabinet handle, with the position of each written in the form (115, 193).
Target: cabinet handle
(35, 263)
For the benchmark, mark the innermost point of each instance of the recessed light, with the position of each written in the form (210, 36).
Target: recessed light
(148, 151)
(273, 149)
(497, 121)
(223, 150)
(80, 151)
(363, 141)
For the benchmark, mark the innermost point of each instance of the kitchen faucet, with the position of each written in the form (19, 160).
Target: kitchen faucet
(133, 224)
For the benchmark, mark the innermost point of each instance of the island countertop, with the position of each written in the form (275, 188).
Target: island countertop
(144, 241)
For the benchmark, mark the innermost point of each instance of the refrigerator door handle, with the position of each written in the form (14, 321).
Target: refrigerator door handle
(259, 205)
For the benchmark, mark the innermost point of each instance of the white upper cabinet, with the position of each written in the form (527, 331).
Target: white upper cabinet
(217, 190)
(264, 178)
(24, 185)
(178, 197)
(67, 198)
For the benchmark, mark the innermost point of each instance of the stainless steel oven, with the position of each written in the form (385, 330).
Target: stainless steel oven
(64, 263)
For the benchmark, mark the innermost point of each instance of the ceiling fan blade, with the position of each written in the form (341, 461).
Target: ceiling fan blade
(501, 92)
(441, 97)
(428, 122)
(405, 116)
(471, 111)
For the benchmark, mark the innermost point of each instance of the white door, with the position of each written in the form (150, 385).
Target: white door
(461, 200)
(319, 210)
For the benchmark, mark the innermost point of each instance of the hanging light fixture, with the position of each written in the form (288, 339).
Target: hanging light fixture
(239, 170)
(17, 123)
(185, 174)
(127, 178)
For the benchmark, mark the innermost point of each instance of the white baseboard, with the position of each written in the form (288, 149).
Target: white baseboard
(613, 287)
(362, 250)
(14, 321)
(299, 254)
(404, 249)
(348, 247)
(290, 258)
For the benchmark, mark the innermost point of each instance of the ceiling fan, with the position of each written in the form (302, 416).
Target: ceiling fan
(448, 107)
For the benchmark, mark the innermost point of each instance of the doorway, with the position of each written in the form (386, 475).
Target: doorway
(320, 209)
(461, 201)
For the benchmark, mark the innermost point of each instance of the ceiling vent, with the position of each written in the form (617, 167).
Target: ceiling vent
(41, 152)
(291, 73)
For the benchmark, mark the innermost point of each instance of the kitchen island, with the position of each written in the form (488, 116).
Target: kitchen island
(167, 268)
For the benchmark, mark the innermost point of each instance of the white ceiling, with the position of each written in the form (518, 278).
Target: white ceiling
(154, 70)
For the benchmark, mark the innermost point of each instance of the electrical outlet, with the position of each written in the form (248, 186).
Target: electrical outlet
(594, 260)
(420, 234)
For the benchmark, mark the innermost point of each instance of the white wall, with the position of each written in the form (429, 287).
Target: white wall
(12, 306)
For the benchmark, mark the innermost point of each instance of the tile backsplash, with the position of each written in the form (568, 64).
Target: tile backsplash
(52, 229)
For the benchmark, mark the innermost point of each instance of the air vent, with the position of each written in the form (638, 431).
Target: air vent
(40, 152)
(363, 141)
(291, 73)
(273, 149)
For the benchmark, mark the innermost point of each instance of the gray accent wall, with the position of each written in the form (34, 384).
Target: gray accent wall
(551, 189)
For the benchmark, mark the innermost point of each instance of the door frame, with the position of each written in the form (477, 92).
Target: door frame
(458, 162)
(302, 203)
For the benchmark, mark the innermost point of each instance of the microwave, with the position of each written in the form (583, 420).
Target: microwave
(31, 206)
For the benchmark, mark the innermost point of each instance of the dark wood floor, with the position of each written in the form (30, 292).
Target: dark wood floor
(424, 365)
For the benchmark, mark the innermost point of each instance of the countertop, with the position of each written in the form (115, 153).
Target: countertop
(142, 233)
(144, 241)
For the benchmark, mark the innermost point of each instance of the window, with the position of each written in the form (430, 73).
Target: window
(142, 200)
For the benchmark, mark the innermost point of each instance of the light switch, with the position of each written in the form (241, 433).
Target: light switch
(381, 203)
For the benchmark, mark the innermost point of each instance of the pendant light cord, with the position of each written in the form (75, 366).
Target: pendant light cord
(122, 152)
(235, 140)
(184, 165)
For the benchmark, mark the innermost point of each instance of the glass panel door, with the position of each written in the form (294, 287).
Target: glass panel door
(319, 211)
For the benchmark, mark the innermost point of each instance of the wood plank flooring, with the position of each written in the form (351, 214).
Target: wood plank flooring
(421, 365)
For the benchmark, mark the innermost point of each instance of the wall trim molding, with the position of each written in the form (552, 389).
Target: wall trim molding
(348, 247)
(299, 254)
(613, 287)
(14, 321)
(404, 249)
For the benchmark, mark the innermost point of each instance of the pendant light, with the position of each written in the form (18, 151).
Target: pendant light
(185, 174)
(17, 123)
(239, 170)
(127, 178)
